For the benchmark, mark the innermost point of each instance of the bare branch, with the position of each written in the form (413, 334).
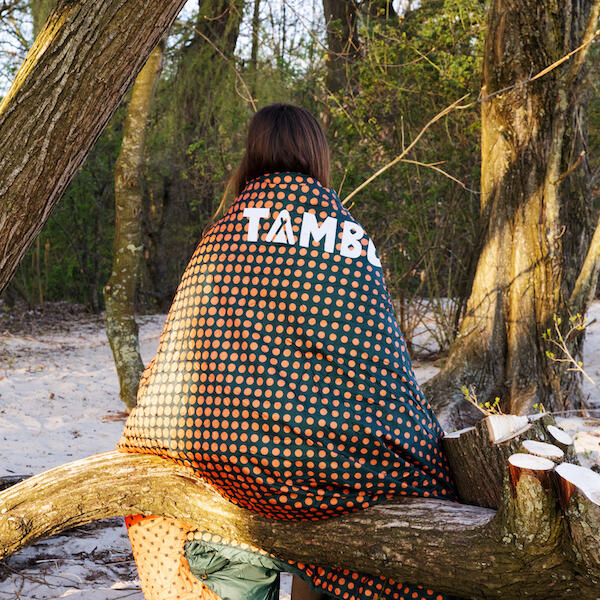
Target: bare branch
(444, 173)
(448, 109)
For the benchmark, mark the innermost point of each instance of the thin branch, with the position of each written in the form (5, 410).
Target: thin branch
(7, 8)
(444, 173)
(576, 64)
(570, 169)
(17, 31)
(396, 160)
(342, 182)
(218, 17)
(578, 326)
(309, 31)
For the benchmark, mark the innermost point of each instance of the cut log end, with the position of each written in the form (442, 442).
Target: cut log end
(527, 467)
(572, 477)
(560, 436)
(530, 462)
(579, 496)
(543, 450)
(505, 427)
(487, 446)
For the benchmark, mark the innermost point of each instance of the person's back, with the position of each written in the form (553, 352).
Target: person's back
(282, 376)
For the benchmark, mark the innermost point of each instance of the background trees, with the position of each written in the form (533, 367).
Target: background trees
(119, 292)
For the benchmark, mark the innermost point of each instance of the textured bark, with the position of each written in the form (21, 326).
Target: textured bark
(472, 453)
(535, 203)
(119, 292)
(255, 41)
(465, 550)
(584, 522)
(77, 71)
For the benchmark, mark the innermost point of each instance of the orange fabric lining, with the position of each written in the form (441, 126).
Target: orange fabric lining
(158, 548)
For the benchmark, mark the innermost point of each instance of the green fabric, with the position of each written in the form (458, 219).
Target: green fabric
(235, 574)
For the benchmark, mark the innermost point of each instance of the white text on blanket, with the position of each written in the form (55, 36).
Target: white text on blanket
(281, 232)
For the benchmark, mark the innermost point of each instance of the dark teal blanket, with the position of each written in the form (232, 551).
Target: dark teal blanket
(282, 376)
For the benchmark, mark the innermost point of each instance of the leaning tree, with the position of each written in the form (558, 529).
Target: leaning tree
(80, 66)
(538, 260)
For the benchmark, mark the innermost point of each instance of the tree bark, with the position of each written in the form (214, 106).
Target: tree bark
(119, 292)
(547, 519)
(473, 452)
(255, 41)
(76, 73)
(535, 204)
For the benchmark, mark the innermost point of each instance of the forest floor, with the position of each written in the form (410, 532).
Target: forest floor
(59, 402)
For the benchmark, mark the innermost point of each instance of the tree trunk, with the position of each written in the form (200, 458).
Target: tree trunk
(255, 41)
(548, 519)
(119, 292)
(342, 41)
(476, 450)
(202, 82)
(535, 204)
(76, 73)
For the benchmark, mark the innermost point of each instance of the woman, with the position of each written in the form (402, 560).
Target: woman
(281, 374)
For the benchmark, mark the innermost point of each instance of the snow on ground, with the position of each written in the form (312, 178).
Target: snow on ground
(59, 402)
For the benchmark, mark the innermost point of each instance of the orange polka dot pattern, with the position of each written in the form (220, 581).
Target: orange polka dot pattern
(158, 548)
(282, 376)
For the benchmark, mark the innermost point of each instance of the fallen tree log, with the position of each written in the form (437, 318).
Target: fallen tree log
(470, 551)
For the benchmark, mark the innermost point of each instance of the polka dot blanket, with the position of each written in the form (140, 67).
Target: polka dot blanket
(282, 376)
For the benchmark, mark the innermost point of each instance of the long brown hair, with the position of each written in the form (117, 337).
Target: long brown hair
(281, 137)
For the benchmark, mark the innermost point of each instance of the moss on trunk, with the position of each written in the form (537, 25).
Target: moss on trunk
(119, 292)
